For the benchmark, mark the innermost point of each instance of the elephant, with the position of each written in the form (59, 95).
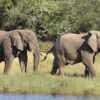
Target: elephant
(74, 48)
(14, 44)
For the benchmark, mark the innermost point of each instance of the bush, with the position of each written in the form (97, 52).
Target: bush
(49, 18)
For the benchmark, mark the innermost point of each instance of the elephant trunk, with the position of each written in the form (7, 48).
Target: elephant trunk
(36, 56)
(36, 61)
(34, 48)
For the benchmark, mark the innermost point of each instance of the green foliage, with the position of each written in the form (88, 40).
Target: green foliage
(48, 18)
(5, 5)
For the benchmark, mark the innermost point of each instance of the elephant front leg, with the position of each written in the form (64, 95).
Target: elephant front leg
(23, 61)
(91, 69)
(86, 72)
(87, 59)
(8, 63)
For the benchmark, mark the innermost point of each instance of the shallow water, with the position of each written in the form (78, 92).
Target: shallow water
(5, 96)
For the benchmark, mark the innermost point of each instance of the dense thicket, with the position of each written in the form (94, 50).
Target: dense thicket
(48, 18)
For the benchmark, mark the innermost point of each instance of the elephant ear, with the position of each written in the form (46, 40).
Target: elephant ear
(17, 41)
(92, 42)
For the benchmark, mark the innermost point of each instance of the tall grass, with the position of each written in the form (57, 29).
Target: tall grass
(42, 82)
(44, 46)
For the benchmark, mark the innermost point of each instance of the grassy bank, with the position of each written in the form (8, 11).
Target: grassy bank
(45, 46)
(72, 83)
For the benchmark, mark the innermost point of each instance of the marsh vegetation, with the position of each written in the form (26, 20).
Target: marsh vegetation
(72, 83)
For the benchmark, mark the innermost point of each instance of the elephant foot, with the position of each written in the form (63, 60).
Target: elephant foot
(23, 72)
(53, 73)
(87, 74)
(5, 73)
(35, 70)
(93, 75)
(61, 74)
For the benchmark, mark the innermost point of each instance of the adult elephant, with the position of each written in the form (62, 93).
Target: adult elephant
(15, 44)
(75, 48)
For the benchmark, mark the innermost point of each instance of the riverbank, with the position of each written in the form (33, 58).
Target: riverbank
(73, 83)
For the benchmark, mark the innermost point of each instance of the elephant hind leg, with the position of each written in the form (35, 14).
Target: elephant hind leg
(23, 61)
(55, 67)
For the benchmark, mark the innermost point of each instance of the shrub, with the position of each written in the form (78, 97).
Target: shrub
(49, 18)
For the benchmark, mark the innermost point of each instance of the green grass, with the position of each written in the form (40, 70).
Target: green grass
(72, 83)
(44, 46)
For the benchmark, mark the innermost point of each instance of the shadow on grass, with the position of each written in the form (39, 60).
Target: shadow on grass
(74, 75)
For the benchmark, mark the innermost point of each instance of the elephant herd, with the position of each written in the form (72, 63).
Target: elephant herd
(68, 49)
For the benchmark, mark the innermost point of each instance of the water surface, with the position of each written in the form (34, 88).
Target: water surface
(6, 96)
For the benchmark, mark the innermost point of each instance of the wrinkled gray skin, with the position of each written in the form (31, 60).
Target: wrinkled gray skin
(75, 48)
(15, 44)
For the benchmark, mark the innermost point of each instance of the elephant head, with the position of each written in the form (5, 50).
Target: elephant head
(26, 40)
(94, 40)
(17, 41)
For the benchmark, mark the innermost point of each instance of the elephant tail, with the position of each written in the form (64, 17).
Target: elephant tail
(48, 53)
